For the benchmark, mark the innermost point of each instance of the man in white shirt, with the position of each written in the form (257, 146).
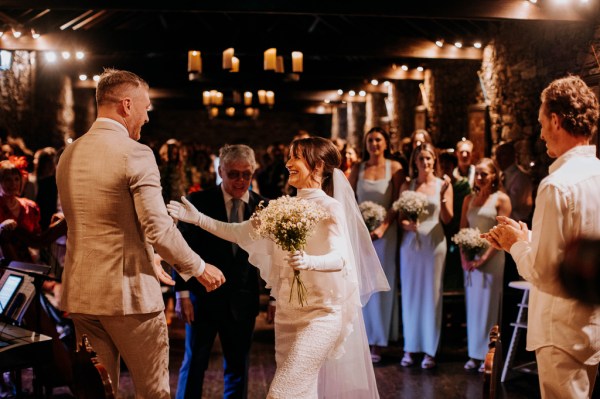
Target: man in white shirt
(564, 332)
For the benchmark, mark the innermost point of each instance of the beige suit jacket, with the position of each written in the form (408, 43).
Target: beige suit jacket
(109, 188)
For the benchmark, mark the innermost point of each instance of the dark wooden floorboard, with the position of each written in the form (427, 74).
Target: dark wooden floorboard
(447, 381)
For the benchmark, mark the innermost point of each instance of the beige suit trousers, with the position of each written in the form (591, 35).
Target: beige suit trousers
(142, 340)
(562, 376)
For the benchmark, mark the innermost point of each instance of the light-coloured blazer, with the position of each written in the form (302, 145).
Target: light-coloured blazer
(109, 188)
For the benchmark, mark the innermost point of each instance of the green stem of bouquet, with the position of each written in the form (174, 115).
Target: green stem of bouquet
(301, 290)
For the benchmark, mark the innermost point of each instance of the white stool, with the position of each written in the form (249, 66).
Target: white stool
(519, 325)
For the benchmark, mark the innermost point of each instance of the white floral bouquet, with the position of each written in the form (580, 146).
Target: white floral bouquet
(411, 204)
(372, 213)
(288, 222)
(469, 240)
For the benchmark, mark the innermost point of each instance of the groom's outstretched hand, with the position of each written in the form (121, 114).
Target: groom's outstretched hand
(212, 278)
(184, 211)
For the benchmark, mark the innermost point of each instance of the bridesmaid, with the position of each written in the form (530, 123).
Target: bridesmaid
(422, 258)
(378, 179)
(483, 276)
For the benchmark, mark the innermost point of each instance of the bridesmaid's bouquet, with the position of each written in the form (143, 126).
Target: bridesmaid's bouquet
(471, 244)
(469, 240)
(412, 205)
(372, 213)
(288, 222)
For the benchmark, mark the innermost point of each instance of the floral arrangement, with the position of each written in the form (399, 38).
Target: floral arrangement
(372, 213)
(288, 222)
(411, 204)
(469, 240)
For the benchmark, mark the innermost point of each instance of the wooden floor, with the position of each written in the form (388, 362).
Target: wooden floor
(447, 381)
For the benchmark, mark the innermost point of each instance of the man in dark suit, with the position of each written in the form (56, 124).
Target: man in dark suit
(230, 311)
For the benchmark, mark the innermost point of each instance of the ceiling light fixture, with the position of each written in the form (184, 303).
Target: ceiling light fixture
(279, 64)
(270, 59)
(439, 43)
(458, 44)
(16, 33)
(404, 67)
(227, 58)
(297, 62)
(35, 34)
(362, 93)
(420, 68)
(374, 82)
(79, 55)
(235, 64)
(194, 64)
(477, 44)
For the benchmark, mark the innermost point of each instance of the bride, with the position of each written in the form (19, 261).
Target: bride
(321, 348)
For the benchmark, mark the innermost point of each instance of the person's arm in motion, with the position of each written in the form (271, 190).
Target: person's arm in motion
(186, 212)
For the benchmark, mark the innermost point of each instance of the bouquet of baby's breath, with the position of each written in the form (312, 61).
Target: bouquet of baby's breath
(469, 240)
(288, 222)
(372, 213)
(411, 204)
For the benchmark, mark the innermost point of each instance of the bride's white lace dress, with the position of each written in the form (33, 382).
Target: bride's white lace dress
(321, 348)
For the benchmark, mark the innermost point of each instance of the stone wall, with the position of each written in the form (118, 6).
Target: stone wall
(450, 87)
(15, 94)
(517, 65)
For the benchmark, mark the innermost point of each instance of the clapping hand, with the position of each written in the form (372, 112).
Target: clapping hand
(212, 278)
(184, 211)
(506, 233)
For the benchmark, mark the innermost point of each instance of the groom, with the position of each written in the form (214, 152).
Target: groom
(231, 310)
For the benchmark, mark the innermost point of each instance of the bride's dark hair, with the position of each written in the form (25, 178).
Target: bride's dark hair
(315, 150)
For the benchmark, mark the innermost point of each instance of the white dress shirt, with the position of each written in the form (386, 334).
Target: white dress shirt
(567, 206)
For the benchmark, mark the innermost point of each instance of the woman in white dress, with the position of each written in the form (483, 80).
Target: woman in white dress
(321, 348)
(422, 258)
(484, 275)
(378, 179)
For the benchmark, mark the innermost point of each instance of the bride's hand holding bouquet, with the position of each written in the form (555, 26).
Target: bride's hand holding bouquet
(288, 222)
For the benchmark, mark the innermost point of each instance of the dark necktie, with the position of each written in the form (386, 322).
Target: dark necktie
(234, 218)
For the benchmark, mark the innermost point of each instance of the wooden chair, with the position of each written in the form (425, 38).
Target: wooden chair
(493, 365)
(91, 380)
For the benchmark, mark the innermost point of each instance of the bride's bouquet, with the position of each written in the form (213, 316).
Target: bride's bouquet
(372, 213)
(412, 205)
(288, 222)
(469, 240)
